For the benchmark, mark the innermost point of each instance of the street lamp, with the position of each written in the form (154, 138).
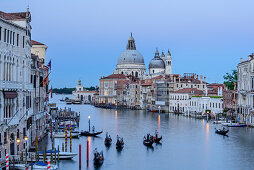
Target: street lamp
(89, 122)
(18, 140)
(26, 138)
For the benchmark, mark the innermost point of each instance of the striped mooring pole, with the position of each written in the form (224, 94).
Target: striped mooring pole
(48, 163)
(70, 139)
(66, 138)
(7, 161)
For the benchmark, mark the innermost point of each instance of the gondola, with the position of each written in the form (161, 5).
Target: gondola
(98, 158)
(108, 140)
(221, 131)
(157, 139)
(119, 143)
(87, 133)
(148, 142)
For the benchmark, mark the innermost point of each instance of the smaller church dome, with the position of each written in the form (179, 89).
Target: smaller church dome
(157, 62)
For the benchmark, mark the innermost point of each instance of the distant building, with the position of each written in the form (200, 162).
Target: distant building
(108, 88)
(83, 95)
(230, 102)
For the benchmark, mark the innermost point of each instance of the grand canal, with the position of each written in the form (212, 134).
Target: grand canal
(187, 143)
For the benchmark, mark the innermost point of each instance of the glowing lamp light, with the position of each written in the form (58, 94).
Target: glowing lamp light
(18, 140)
(26, 138)
(89, 117)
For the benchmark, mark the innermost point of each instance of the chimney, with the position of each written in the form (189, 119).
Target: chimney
(204, 79)
(197, 76)
(201, 81)
(241, 59)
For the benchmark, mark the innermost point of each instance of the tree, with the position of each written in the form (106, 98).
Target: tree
(230, 79)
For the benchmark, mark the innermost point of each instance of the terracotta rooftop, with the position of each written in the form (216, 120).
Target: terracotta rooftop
(13, 16)
(146, 84)
(189, 90)
(115, 76)
(36, 43)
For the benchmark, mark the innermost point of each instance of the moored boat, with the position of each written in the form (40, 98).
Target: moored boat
(234, 124)
(62, 135)
(62, 155)
(36, 166)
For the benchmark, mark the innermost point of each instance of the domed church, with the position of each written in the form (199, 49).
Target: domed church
(160, 65)
(131, 62)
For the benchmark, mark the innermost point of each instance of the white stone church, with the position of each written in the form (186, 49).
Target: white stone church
(131, 62)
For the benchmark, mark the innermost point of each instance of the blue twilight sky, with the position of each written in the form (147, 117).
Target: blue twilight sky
(85, 37)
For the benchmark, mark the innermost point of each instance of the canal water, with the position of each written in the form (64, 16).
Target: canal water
(187, 143)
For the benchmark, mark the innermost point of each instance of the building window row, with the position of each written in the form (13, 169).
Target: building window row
(10, 37)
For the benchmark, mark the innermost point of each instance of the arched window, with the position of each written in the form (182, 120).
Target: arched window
(136, 74)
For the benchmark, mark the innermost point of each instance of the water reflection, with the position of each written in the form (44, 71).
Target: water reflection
(187, 143)
(159, 123)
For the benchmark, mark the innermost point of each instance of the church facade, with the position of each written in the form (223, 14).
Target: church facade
(131, 63)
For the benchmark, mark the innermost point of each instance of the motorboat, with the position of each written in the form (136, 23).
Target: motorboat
(76, 102)
(36, 166)
(229, 124)
(62, 155)
(68, 101)
(219, 121)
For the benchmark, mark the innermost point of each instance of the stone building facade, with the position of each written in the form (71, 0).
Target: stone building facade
(20, 101)
(245, 89)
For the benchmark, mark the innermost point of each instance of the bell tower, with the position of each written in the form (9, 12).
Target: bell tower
(168, 63)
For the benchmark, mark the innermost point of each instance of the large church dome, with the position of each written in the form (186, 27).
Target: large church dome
(130, 55)
(157, 62)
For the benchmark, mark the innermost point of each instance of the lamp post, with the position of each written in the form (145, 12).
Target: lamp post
(89, 122)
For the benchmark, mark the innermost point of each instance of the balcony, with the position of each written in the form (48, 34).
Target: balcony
(11, 121)
(10, 85)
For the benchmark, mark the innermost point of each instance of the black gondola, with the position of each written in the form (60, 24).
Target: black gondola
(119, 143)
(222, 131)
(156, 138)
(148, 140)
(98, 158)
(108, 140)
(87, 133)
(148, 143)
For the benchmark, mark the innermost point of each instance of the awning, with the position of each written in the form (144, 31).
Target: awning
(10, 94)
